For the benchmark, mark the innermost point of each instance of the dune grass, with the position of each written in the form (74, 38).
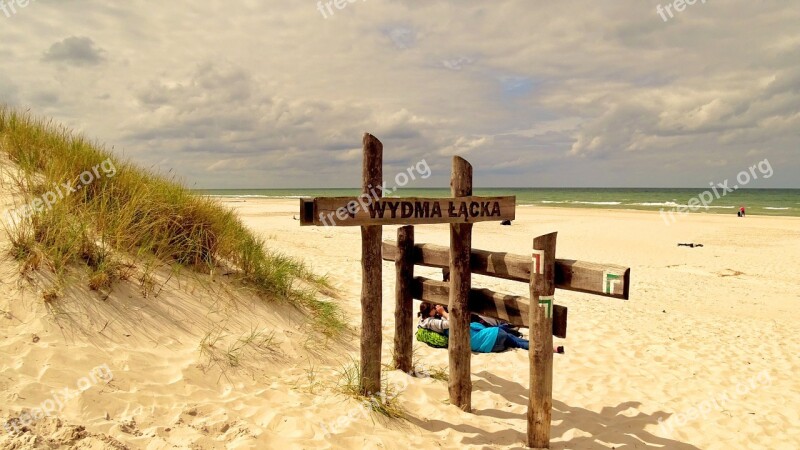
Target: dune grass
(386, 402)
(88, 207)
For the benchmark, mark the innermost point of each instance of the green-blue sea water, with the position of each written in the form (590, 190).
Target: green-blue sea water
(773, 202)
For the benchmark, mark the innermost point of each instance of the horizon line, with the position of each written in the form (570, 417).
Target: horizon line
(484, 187)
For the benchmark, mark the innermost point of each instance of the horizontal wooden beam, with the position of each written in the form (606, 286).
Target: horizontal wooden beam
(599, 279)
(365, 210)
(511, 308)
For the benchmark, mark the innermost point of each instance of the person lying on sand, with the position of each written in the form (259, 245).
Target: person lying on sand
(483, 339)
(492, 322)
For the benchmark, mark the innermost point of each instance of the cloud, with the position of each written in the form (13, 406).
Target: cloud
(457, 63)
(401, 37)
(464, 145)
(8, 91)
(253, 95)
(76, 51)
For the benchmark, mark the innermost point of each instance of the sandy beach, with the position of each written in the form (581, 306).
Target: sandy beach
(158, 291)
(702, 356)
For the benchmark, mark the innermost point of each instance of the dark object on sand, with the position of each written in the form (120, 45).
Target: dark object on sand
(505, 222)
(690, 245)
(560, 349)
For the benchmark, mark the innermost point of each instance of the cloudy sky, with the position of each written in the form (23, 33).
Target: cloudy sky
(271, 93)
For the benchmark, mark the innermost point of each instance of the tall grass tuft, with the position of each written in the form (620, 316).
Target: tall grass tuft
(386, 402)
(130, 211)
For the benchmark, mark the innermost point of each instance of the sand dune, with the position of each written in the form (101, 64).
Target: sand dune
(703, 355)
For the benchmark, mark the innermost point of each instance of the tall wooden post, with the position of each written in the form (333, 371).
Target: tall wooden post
(371, 285)
(540, 400)
(404, 302)
(460, 283)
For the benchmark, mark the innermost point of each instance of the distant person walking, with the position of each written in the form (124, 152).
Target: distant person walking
(741, 211)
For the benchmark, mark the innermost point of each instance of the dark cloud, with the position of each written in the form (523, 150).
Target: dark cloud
(76, 51)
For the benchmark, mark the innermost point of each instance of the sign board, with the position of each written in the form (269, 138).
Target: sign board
(364, 210)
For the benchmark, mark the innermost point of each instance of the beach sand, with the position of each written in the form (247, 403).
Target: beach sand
(703, 355)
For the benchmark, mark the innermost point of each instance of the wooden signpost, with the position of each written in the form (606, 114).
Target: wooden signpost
(370, 211)
(541, 270)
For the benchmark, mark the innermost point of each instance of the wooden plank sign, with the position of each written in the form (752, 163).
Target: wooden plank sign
(607, 280)
(367, 210)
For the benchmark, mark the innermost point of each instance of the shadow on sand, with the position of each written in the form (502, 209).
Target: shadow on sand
(606, 429)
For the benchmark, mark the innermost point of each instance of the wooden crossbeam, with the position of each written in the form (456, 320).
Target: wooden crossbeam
(511, 308)
(606, 280)
(368, 210)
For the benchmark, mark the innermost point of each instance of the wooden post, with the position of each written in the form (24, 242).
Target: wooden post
(404, 302)
(371, 285)
(540, 399)
(460, 385)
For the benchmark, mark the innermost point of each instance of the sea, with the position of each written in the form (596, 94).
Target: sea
(770, 202)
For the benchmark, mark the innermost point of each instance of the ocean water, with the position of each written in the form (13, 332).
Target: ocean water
(772, 202)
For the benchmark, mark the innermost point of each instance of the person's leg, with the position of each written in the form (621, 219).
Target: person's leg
(501, 343)
(510, 330)
(508, 340)
(515, 342)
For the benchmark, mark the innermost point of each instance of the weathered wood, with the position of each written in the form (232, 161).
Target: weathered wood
(607, 280)
(542, 287)
(371, 284)
(459, 350)
(369, 210)
(511, 308)
(404, 300)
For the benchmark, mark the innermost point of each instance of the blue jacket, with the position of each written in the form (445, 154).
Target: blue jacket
(482, 339)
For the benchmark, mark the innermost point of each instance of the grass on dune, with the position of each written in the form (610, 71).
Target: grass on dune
(125, 210)
(386, 402)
